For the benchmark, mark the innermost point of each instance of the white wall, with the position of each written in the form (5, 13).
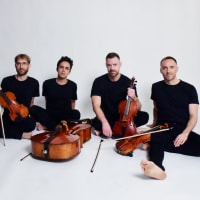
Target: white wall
(141, 31)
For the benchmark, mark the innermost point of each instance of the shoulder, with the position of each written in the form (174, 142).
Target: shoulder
(124, 78)
(186, 84)
(158, 84)
(101, 78)
(188, 87)
(8, 78)
(70, 82)
(8, 81)
(49, 81)
(32, 82)
(32, 79)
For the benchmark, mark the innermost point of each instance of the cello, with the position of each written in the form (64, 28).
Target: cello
(81, 128)
(58, 145)
(127, 109)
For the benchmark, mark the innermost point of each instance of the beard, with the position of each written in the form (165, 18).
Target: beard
(113, 73)
(22, 72)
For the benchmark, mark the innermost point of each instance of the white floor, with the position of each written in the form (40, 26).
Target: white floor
(115, 177)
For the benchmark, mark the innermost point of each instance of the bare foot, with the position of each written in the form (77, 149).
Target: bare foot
(145, 146)
(152, 170)
(26, 135)
(41, 127)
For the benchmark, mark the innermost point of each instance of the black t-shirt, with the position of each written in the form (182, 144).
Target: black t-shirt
(59, 97)
(24, 91)
(173, 100)
(111, 93)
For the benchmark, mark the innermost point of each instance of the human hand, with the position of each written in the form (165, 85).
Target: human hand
(131, 93)
(180, 139)
(106, 129)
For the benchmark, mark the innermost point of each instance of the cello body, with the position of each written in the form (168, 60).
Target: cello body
(81, 128)
(84, 132)
(59, 145)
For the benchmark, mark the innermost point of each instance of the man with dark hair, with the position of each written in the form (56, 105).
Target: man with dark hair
(107, 92)
(25, 88)
(60, 94)
(176, 103)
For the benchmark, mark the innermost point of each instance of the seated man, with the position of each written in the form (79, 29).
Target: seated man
(24, 88)
(175, 102)
(60, 95)
(107, 92)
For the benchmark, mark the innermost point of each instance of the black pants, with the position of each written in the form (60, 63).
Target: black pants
(51, 120)
(16, 129)
(163, 141)
(140, 119)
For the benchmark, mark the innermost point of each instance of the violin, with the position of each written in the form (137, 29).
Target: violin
(126, 146)
(17, 111)
(127, 109)
(58, 145)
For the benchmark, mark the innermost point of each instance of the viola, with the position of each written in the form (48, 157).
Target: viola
(125, 126)
(17, 111)
(126, 146)
(58, 145)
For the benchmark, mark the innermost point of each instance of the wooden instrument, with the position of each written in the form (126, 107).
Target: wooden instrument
(81, 128)
(16, 111)
(126, 145)
(59, 145)
(127, 109)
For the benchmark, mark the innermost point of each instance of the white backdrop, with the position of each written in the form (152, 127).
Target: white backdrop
(141, 31)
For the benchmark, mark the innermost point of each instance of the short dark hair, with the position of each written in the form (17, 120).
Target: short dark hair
(67, 59)
(166, 58)
(23, 56)
(112, 55)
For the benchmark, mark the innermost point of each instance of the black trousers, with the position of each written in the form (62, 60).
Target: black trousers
(140, 119)
(164, 141)
(51, 119)
(15, 130)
